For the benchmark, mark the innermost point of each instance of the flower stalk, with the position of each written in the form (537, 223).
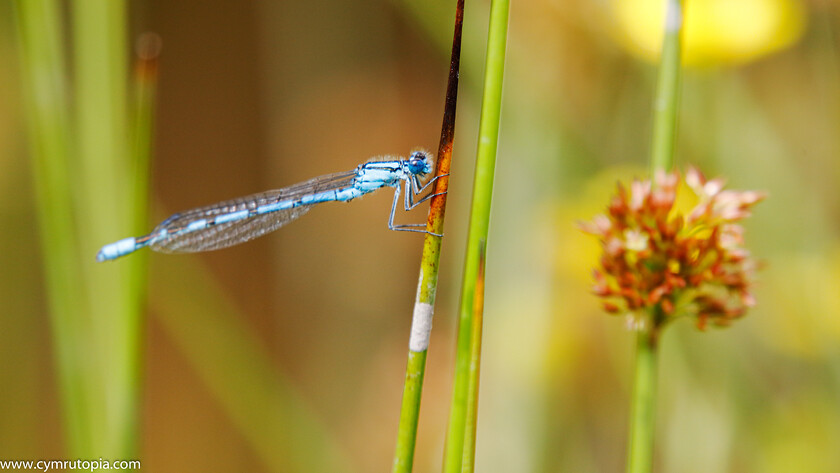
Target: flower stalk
(643, 408)
(659, 264)
(666, 101)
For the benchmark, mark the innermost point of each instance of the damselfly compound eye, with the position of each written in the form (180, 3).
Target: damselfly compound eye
(418, 163)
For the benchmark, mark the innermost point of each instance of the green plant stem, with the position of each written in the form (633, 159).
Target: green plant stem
(666, 101)
(48, 126)
(142, 137)
(643, 411)
(94, 310)
(666, 105)
(427, 284)
(105, 206)
(410, 411)
(468, 462)
(478, 230)
(145, 81)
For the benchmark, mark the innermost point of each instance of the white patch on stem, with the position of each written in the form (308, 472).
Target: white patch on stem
(421, 327)
(673, 16)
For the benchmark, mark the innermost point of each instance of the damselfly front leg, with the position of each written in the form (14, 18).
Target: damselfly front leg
(412, 188)
(416, 190)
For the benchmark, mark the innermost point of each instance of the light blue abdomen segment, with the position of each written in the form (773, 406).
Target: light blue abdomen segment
(268, 208)
(340, 195)
(347, 194)
(117, 249)
(224, 218)
(197, 225)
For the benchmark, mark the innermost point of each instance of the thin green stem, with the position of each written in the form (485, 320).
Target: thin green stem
(643, 411)
(145, 80)
(79, 167)
(666, 101)
(468, 461)
(424, 303)
(478, 231)
(410, 411)
(666, 104)
(142, 137)
(40, 37)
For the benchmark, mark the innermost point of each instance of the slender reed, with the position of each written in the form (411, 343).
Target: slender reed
(468, 462)
(145, 80)
(43, 69)
(80, 165)
(105, 207)
(421, 324)
(459, 421)
(666, 102)
(643, 408)
(667, 99)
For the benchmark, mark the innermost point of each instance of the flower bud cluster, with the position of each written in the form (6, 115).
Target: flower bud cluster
(656, 258)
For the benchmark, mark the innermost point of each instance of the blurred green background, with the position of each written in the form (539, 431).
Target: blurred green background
(288, 352)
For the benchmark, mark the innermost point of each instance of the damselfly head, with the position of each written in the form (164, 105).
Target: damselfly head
(420, 162)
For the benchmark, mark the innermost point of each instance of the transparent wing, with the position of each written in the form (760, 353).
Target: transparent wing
(181, 239)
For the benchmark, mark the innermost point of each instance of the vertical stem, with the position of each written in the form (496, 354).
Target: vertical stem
(410, 411)
(104, 207)
(145, 80)
(478, 230)
(40, 38)
(643, 410)
(468, 461)
(666, 100)
(79, 166)
(421, 324)
(142, 131)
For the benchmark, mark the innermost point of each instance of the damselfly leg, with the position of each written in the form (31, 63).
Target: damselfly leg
(412, 189)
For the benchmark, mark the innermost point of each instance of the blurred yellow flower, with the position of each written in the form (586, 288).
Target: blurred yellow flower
(716, 32)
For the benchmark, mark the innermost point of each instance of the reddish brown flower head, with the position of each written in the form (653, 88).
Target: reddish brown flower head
(654, 257)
